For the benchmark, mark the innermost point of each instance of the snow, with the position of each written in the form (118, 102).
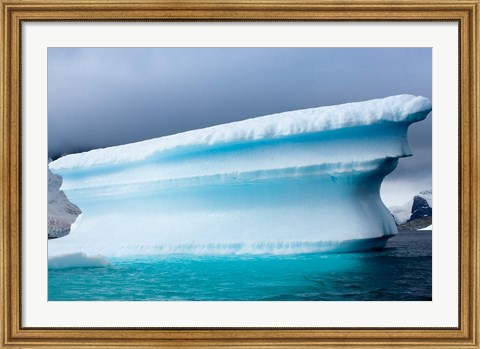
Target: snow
(295, 182)
(427, 195)
(399, 109)
(77, 260)
(427, 228)
(403, 213)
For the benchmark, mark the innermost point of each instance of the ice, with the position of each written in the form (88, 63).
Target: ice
(61, 213)
(77, 260)
(402, 213)
(294, 182)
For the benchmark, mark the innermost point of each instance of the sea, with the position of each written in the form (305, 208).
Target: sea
(401, 271)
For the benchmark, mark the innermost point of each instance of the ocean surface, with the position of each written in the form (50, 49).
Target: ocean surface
(402, 271)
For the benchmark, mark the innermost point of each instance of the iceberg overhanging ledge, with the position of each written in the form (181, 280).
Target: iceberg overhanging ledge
(294, 182)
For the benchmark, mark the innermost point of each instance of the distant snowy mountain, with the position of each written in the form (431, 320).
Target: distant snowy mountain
(61, 212)
(415, 214)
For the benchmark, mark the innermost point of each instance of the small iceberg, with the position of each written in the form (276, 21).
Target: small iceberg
(77, 260)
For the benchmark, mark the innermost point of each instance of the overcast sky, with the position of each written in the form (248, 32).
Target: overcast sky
(99, 97)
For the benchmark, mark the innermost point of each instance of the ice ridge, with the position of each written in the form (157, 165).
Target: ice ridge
(404, 109)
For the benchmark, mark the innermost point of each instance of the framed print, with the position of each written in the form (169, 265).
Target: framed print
(239, 175)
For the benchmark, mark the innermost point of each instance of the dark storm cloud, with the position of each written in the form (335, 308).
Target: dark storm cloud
(101, 97)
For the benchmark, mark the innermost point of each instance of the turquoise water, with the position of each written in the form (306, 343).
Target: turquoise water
(402, 271)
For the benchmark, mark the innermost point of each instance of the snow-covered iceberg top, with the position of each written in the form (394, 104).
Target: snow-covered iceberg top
(396, 109)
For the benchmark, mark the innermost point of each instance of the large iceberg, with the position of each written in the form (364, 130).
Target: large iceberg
(294, 182)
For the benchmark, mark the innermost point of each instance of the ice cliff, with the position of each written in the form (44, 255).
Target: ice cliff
(61, 212)
(293, 182)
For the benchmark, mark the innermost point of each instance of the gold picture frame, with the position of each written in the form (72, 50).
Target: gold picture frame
(465, 13)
